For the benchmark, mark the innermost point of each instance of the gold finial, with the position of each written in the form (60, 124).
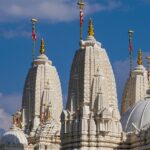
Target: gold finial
(42, 49)
(91, 28)
(19, 120)
(140, 62)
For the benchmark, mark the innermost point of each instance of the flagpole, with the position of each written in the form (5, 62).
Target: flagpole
(130, 32)
(33, 37)
(81, 7)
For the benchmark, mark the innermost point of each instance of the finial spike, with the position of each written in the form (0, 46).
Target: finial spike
(140, 62)
(42, 49)
(91, 28)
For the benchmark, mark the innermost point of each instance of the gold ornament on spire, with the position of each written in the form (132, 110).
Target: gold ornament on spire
(18, 119)
(42, 49)
(140, 61)
(91, 28)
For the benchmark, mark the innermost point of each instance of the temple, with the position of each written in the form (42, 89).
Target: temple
(92, 116)
(91, 119)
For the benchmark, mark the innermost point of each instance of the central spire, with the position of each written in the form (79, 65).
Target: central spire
(42, 49)
(91, 28)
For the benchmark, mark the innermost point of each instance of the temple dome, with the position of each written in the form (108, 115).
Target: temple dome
(14, 136)
(137, 117)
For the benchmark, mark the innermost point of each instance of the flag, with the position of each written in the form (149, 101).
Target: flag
(33, 35)
(130, 46)
(81, 17)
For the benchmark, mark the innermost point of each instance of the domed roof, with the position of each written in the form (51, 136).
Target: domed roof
(137, 117)
(47, 129)
(14, 136)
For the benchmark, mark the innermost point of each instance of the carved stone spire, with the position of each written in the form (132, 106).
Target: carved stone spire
(42, 87)
(136, 86)
(91, 71)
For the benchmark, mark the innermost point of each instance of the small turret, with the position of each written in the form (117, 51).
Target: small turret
(136, 86)
(16, 119)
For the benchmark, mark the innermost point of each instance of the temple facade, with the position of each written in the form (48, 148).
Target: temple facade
(91, 119)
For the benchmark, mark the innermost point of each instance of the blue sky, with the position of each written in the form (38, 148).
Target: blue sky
(59, 25)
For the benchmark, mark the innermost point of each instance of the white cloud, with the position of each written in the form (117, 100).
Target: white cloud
(51, 10)
(1, 94)
(5, 120)
(9, 33)
(9, 104)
